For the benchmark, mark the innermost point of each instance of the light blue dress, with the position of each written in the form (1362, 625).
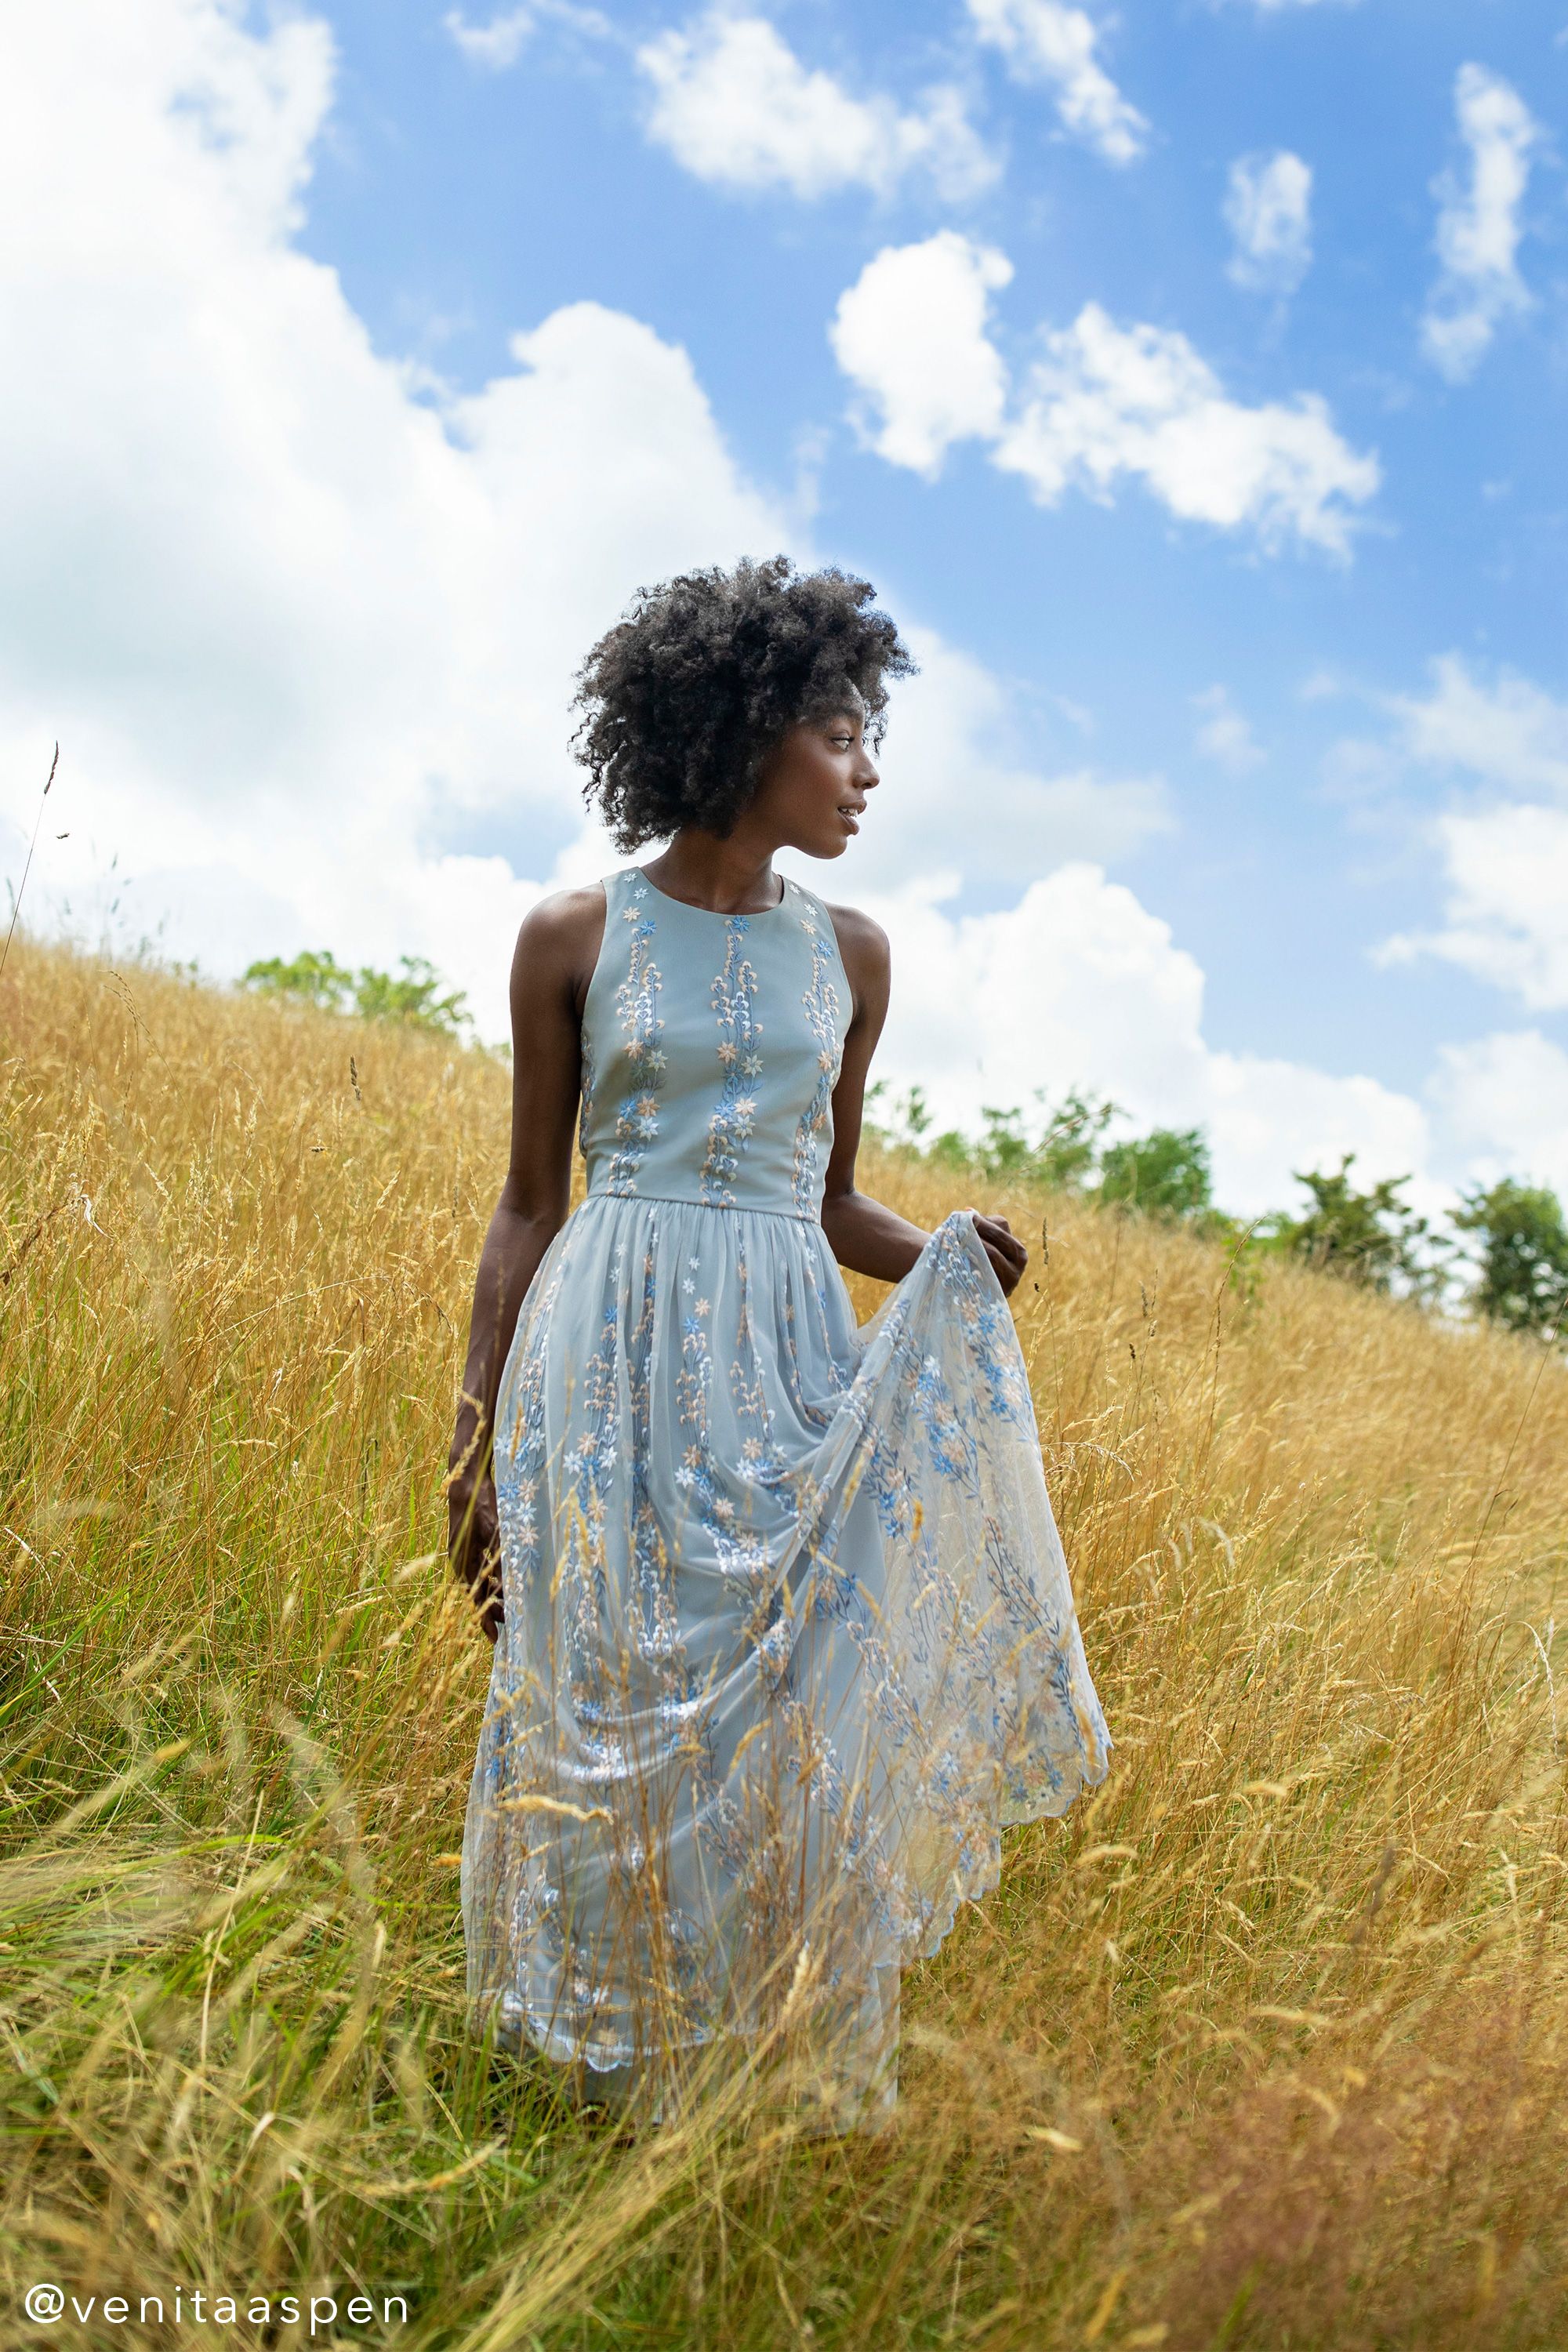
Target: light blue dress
(789, 1637)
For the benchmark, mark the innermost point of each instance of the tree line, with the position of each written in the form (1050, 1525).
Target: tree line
(1514, 1271)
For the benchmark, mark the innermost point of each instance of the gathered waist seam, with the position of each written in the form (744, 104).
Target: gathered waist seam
(720, 1208)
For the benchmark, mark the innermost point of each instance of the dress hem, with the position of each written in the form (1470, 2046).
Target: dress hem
(603, 2059)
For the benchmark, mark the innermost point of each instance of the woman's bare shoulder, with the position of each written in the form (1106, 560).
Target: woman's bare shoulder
(565, 918)
(561, 935)
(862, 943)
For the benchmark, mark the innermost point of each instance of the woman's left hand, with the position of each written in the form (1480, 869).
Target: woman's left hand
(1007, 1253)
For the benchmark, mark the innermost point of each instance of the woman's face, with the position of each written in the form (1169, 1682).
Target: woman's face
(812, 794)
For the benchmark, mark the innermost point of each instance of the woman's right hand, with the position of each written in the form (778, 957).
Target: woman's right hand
(473, 1542)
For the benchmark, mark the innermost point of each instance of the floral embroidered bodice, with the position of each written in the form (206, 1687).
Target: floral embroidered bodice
(711, 1048)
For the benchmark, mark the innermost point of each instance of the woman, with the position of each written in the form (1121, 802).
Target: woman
(784, 1633)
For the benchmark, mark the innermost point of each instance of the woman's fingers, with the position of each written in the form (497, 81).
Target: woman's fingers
(998, 1234)
(475, 1551)
(1007, 1270)
(1007, 1253)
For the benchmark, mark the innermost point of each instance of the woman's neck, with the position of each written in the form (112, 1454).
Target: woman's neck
(730, 876)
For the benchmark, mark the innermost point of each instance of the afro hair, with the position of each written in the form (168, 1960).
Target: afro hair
(683, 699)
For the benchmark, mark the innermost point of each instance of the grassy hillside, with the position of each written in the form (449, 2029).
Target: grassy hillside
(1267, 2046)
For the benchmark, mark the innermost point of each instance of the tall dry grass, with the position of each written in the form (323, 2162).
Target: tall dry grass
(1263, 2047)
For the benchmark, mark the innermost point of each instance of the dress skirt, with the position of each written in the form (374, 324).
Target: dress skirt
(788, 1641)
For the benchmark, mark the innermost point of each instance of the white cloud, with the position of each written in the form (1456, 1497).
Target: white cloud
(1108, 403)
(1507, 902)
(499, 45)
(1079, 984)
(1225, 734)
(1104, 404)
(735, 107)
(954, 738)
(1505, 1099)
(1268, 212)
(1510, 733)
(1478, 226)
(911, 333)
(495, 46)
(1505, 861)
(1042, 41)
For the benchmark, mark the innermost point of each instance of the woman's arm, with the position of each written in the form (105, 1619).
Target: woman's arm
(865, 1235)
(556, 950)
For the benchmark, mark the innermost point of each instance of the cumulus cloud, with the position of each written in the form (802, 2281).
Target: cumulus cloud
(1505, 1099)
(912, 334)
(1106, 403)
(1044, 42)
(1506, 911)
(1268, 212)
(1103, 405)
(955, 740)
(735, 107)
(1224, 735)
(1505, 856)
(1478, 226)
(1079, 983)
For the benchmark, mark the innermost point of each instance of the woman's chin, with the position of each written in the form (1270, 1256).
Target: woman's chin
(830, 840)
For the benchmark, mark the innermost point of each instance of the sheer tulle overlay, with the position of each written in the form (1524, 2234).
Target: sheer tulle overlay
(789, 1637)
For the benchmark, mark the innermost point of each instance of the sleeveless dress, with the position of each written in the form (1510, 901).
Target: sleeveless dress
(788, 1632)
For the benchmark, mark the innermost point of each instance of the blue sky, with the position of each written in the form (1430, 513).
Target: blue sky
(1188, 377)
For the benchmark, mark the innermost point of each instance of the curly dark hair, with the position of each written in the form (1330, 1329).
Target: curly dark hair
(683, 699)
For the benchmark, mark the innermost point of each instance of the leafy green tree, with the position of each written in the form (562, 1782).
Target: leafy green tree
(1066, 1154)
(1371, 1238)
(1524, 1263)
(1003, 1149)
(1166, 1173)
(313, 977)
(412, 996)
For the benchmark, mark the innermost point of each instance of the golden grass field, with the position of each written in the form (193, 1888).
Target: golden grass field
(1266, 2046)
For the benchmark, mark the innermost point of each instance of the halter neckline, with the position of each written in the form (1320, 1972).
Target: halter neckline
(721, 914)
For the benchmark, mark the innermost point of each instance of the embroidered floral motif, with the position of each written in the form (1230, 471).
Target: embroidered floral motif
(821, 1003)
(636, 1002)
(740, 1056)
